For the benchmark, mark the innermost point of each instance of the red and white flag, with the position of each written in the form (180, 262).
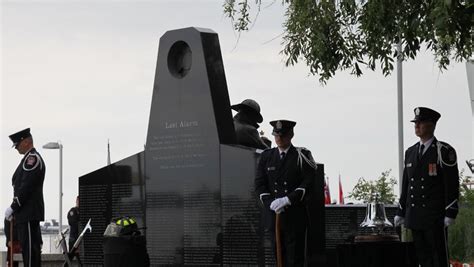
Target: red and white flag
(327, 194)
(341, 194)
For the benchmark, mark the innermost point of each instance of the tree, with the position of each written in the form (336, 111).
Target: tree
(331, 35)
(383, 186)
(461, 234)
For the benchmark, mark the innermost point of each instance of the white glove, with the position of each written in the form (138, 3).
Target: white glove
(448, 221)
(9, 214)
(279, 204)
(399, 221)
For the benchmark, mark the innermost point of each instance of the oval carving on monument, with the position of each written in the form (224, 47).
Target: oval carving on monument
(180, 59)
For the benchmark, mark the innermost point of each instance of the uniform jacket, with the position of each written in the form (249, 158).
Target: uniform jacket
(430, 187)
(27, 181)
(73, 221)
(292, 176)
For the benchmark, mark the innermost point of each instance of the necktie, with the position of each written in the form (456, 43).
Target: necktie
(420, 152)
(282, 155)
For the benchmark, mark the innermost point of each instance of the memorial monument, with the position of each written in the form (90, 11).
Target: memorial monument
(192, 186)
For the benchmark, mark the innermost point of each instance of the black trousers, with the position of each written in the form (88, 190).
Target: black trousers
(293, 247)
(292, 236)
(29, 235)
(431, 246)
(72, 240)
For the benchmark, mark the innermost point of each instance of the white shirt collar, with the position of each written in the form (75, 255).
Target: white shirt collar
(286, 150)
(427, 144)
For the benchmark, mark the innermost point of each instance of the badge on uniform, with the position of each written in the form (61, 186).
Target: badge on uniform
(279, 125)
(271, 168)
(408, 165)
(31, 160)
(432, 169)
(452, 156)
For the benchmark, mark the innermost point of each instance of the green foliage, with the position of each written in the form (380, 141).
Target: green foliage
(383, 186)
(331, 35)
(461, 234)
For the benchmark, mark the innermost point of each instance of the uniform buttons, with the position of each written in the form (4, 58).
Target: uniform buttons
(276, 191)
(412, 196)
(286, 191)
(422, 179)
(284, 183)
(276, 183)
(412, 205)
(411, 187)
(412, 179)
(422, 187)
(423, 205)
(423, 196)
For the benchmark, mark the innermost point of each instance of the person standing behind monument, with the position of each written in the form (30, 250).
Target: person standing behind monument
(246, 124)
(430, 191)
(73, 221)
(284, 179)
(28, 205)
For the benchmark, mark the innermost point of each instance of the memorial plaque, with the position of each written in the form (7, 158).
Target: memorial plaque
(112, 191)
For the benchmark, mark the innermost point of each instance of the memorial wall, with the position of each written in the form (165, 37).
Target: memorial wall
(110, 192)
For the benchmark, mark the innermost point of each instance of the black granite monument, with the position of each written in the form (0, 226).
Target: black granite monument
(192, 187)
(113, 191)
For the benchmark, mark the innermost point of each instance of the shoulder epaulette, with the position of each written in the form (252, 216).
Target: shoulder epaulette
(413, 146)
(263, 151)
(267, 150)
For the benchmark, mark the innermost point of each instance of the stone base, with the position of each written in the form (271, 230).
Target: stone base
(47, 260)
(376, 238)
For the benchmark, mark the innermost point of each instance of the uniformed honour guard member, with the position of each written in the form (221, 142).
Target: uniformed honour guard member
(27, 207)
(430, 191)
(285, 177)
(73, 221)
(246, 124)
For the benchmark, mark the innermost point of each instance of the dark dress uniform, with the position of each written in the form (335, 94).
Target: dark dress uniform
(28, 205)
(430, 192)
(290, 177)
(73, 221)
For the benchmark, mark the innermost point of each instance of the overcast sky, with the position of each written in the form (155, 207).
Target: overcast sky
(82, 72)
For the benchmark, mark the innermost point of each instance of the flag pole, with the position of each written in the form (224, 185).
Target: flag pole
(341, 193)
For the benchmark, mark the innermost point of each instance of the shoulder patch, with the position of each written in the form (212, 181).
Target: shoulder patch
(446, 154)
(452, 155)
(31, 162)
